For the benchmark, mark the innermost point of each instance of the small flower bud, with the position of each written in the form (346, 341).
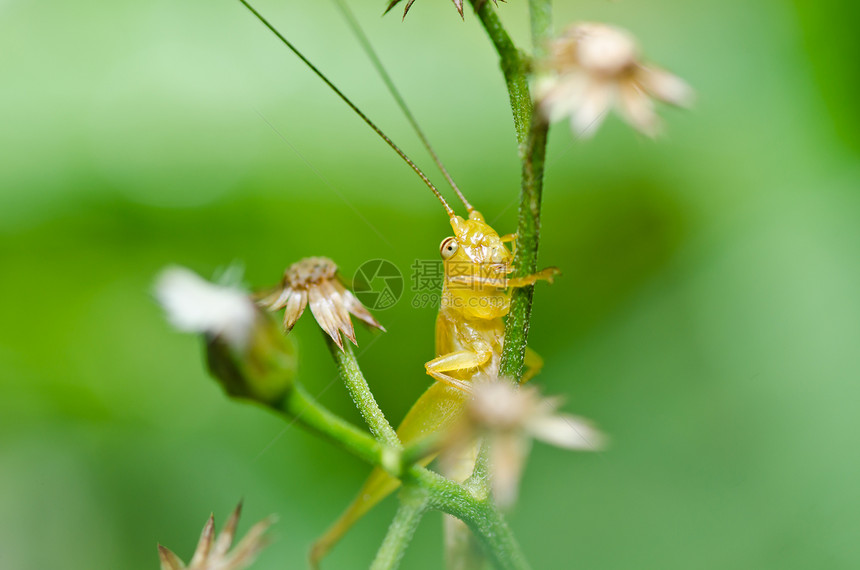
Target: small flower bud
(246, 350)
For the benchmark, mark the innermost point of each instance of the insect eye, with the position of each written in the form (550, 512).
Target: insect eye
(448, 247)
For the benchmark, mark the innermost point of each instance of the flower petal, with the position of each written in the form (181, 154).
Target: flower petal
(338, 309)
(355, 307)
(508, 454)
(568, 432)
(250, 546)
(321, 307)
(459, 6)
(295, 307)
(204, 545)
(594, 107)
(559, 97)
(391, 5)
(196, 305)
(169, 561)
(638, 109)
(225, 537)
(665, 86)
(277, 299)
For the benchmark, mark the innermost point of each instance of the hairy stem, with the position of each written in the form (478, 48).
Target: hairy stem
(531, 136)
(525, 261)
(482, 517)
(442, 494)
(307, 412)
(357, 386)
(413, 504)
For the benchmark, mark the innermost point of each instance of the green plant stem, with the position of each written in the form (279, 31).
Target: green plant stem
(442, 494)
(301, 408)
(531, 136)
(423, 448)
(525, 261)
(413, 504)
(479, 481)
(357, 386)
(482, 517)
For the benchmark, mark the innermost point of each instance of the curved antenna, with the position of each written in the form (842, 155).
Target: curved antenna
(380, 69)
(351, 105)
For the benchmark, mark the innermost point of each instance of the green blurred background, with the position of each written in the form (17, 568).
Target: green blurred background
(708, 318)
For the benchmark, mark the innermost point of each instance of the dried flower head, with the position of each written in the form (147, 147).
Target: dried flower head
(595, 67)
(510, 417)
(457, 4)
(314, 281)
(215, 554)
(245, 348)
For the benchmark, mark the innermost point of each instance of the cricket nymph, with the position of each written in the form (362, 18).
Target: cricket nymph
(476, 294)
(470, 333)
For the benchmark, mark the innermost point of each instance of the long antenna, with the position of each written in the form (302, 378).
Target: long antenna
(389, 83)
(351, 105)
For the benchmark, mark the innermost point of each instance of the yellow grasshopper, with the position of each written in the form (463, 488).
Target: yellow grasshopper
(470, 332)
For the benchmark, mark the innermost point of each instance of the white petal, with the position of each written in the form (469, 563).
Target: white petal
(196, 305)
(665, 86)
(507, 458)
(249, 547)
(560, 97)
(278, 299)
(323, 312)
(605, 49)
(638, 109)
(294, 308)
(593, 109)
(569, 432)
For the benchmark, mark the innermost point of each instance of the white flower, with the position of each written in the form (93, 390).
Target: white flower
(510, 417)
(595, 67)
(246, 350)
(196, 305)
(213, 554)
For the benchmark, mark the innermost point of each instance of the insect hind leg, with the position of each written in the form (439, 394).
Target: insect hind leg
(533, 364)
(455, 362)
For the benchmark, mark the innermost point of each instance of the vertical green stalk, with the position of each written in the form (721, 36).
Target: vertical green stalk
(482, 517)
(525, 261)
(531, 136)
(413, 505)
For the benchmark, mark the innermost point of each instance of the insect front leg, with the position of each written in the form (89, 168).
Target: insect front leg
(454, 362)
(504, 282)
(544, 274)
(510, 238)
